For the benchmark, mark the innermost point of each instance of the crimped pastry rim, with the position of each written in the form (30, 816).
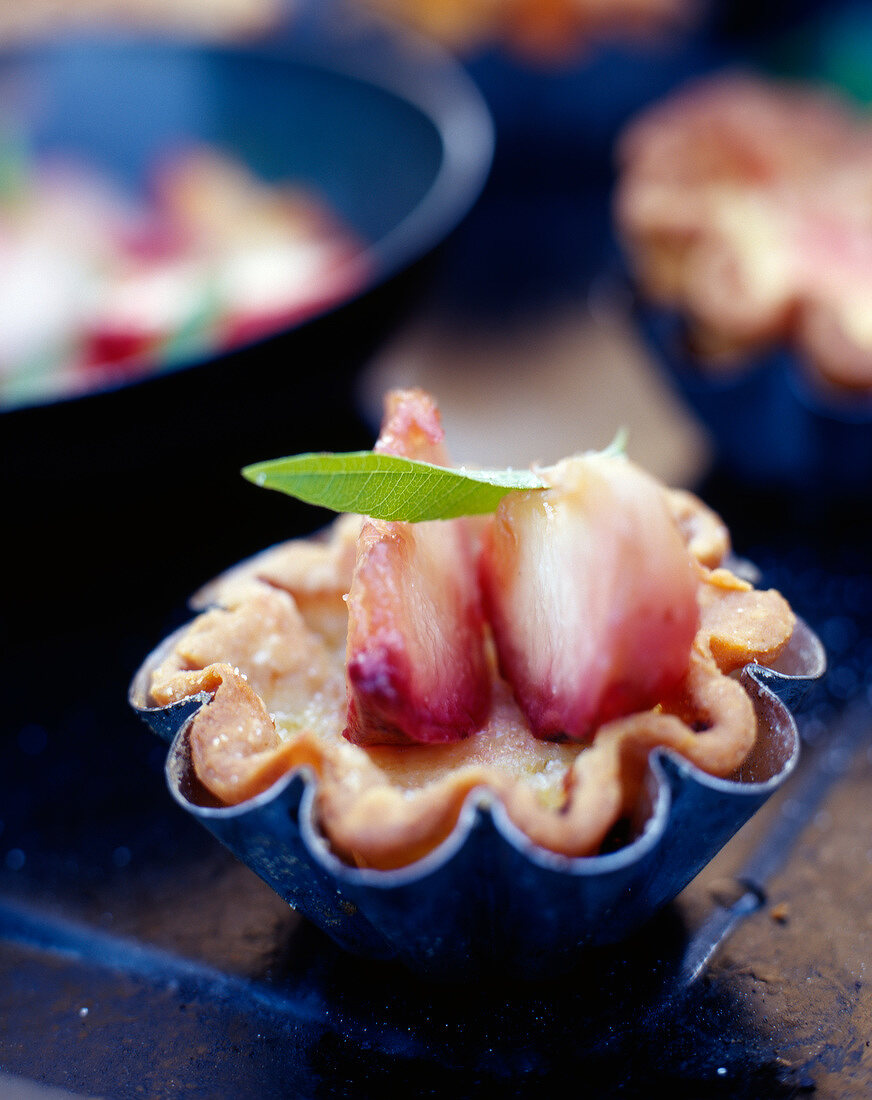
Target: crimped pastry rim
(760, 682)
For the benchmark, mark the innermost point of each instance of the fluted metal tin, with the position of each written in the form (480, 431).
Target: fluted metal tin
(772, 423)
(488, 897)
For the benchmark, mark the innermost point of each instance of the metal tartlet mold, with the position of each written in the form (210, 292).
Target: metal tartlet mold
(772, 421)
(489, 900)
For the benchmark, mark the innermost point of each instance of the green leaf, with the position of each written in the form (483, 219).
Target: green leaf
(388, 486)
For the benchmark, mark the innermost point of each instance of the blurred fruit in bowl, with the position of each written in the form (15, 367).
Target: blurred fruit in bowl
(97, 289)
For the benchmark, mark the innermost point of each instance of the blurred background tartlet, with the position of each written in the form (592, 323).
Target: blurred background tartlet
(743, 206)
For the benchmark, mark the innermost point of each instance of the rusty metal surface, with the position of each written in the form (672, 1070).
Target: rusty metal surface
(799, 965)
(782, 1009)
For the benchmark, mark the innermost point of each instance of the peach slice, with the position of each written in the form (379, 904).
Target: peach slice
(416, 668)
(592, 595)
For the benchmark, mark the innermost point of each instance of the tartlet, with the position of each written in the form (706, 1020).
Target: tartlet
(745, 204)
(742, 204)
(531, 28)
(410, 689)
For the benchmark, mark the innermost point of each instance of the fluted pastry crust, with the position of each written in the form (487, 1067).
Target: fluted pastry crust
(270, 653)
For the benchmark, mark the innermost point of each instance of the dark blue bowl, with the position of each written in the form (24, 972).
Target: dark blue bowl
(395, 137)
(389, 132)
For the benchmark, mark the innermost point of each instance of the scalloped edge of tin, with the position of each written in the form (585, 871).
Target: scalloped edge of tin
(824, 436)
(488, 898)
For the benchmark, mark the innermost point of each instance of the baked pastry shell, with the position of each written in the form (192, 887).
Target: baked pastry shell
(773, 420)
(488, 898)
